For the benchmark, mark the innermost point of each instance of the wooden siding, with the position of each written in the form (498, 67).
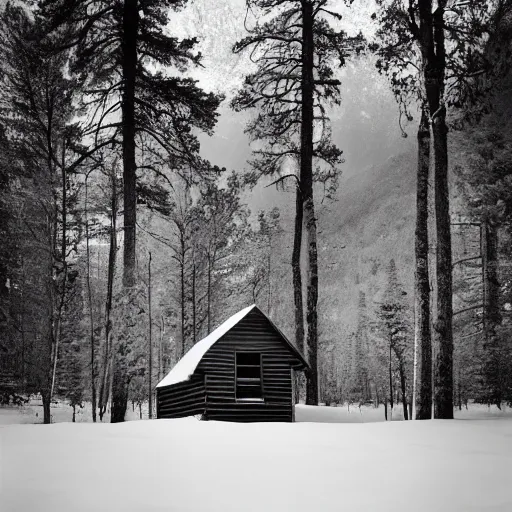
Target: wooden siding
(253, 334)
(180, 400)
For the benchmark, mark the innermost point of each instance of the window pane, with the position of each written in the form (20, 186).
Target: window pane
(248, 358)
(248, 373)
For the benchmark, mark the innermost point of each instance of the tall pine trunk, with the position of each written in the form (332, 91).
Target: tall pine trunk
(107, 349)
(403, 388)
(306, 183)
(5, 262)
(297, 274)
(160, 349)
(297, 286)
(119, 395)
(422, 284)
(491, 317)
(182, 290)
(44, 342)
(193, 299)
(47, 401)
(129, 58)
(63, 260)
(209, 294)
(443, 396)
(269, 273)
(150, 343)
(91, 312)
(129, 65)
(443, 399)
(390, 375)
(432, 28)
(489, 249)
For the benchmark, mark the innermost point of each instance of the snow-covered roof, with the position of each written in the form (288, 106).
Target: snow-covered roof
(187, 365)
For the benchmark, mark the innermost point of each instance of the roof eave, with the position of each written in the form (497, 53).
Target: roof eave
(295, 350)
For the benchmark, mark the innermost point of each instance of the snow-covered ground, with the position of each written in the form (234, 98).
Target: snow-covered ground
(189, 465)
(60, 412)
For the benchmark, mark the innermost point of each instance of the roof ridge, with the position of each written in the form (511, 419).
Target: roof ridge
(186, 366)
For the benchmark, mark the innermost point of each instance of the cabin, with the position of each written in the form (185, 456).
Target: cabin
(242, 371)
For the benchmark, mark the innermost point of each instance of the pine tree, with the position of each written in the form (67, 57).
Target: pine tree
(8, 346)
(422, 312)
(432, 53)
(111, 199)
(221, 223)
(484, 182)
(118, 46)
(362, 378)
(257, 265)
(393, 315)
(291, 88)
(37, 108)
(71, 378)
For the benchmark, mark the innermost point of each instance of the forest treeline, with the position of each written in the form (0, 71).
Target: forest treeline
(122, 246)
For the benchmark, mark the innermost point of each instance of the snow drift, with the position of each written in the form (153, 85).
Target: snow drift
(189, 465)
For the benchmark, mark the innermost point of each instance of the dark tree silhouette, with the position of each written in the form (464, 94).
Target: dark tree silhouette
(118, 45)
(291, 88)
(37, 108)
(423, 67)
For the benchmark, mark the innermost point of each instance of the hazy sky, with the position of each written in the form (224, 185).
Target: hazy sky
(366, 124)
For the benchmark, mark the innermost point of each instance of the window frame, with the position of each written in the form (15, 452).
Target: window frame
(260, 399)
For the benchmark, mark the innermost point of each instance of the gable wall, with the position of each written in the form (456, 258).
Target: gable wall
(253, 334)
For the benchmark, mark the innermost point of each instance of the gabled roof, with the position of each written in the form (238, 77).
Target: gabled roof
(187, 365)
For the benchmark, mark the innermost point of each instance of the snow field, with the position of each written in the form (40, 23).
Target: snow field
(189, 465)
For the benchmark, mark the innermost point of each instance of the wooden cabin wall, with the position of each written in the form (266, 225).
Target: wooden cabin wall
(253, 334)
(180, 400)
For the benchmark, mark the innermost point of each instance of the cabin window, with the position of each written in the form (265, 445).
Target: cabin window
(248, 376)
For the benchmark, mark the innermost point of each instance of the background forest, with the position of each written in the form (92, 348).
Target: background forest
(165, 163)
